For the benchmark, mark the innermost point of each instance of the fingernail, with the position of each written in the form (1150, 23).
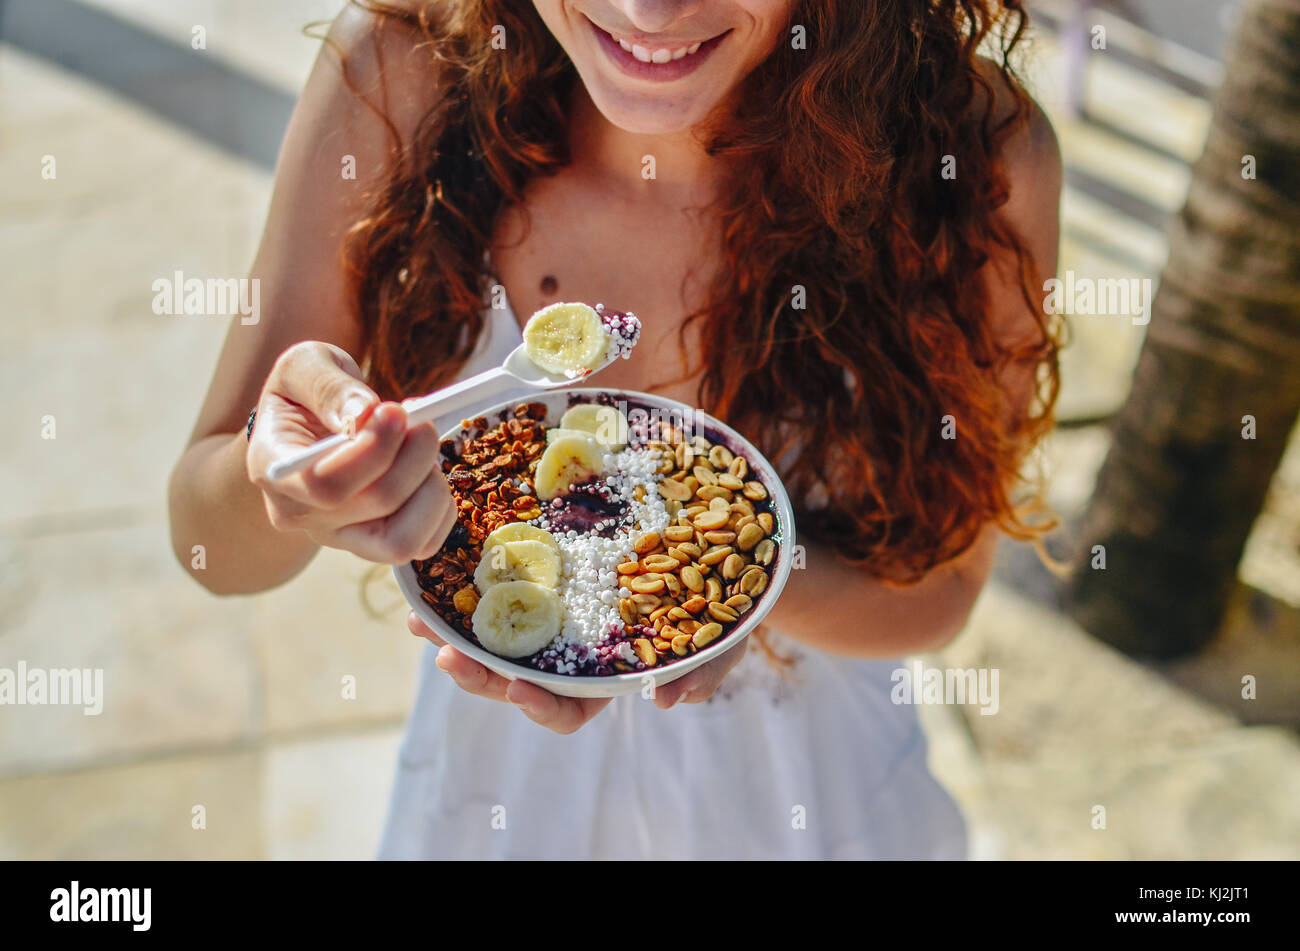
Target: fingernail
(355, 405)
(353, 408)
(394, 416)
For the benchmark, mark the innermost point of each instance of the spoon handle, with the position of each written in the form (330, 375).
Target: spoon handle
(421, 409)
(301, 459)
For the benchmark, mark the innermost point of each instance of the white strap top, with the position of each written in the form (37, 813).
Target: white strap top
(815, 764)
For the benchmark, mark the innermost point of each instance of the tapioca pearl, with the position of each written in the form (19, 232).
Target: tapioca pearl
(589, 579)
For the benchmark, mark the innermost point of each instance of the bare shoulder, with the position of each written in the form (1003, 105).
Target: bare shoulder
(1030, 160)
(376, 62)
(1031, 155)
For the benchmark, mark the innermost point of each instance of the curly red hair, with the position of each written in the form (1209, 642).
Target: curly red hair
(835, 202)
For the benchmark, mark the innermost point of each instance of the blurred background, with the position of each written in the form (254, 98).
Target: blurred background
(1164, 686)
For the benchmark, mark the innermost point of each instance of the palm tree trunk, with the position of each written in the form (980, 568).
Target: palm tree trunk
(1183, 483)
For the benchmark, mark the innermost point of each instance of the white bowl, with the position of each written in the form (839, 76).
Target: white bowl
(615, 685)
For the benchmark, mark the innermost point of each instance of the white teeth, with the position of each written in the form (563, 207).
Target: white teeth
(657, 56)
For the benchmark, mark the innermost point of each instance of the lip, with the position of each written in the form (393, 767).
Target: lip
(655, 72)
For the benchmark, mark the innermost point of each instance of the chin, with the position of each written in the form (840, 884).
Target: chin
(647, 115)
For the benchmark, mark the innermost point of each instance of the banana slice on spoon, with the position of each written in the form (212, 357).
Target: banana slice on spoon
(567, 339)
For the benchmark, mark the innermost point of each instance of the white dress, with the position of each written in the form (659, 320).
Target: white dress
(817, 764)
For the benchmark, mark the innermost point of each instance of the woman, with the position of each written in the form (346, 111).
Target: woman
(831, 217)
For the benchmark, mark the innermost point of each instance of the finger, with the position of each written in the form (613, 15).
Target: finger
(560, 714)
(420, 629)
(700, 684)
(325, 380)
(471, 676)
(415, 459)
(439, 535)
(404, 535)
(317, 492)
(360, 461)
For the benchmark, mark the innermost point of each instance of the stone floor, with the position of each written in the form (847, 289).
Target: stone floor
(239, 706)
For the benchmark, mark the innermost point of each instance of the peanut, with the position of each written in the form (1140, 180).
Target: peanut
(720, 612)
(645, 651)
(703, 637)
(646, 543)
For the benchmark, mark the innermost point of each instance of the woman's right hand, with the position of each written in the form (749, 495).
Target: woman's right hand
(381, 496)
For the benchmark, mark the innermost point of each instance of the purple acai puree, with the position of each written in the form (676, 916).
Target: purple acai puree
(624, 331)
(591, 507)
(596, 661)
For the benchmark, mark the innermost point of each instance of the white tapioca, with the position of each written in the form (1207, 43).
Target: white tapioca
(588, 585)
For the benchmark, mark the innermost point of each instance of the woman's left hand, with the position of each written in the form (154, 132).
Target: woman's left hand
(700, 684)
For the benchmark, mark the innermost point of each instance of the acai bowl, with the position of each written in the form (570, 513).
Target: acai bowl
(604, 538)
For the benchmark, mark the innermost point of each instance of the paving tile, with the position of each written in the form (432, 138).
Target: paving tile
(79, 324)
(1063, 693)
(1080, 725)
(327, 798)
(313, 632)
(1073, 459)
(1259, 639)
(1231, 796)
(138, 811)
(1139, 104)
(1158, 180)
(264, 39)
(1271, 561)
(115, 440)
(178, 669)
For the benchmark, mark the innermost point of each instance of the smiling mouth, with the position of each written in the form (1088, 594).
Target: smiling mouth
(658, 54)
(661, 60)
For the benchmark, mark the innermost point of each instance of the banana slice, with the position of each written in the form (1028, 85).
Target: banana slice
(520, 532)
(525, 560)
(517, 618)
(569, 339)
(606, 423)
(555, 432)
(568, 460)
